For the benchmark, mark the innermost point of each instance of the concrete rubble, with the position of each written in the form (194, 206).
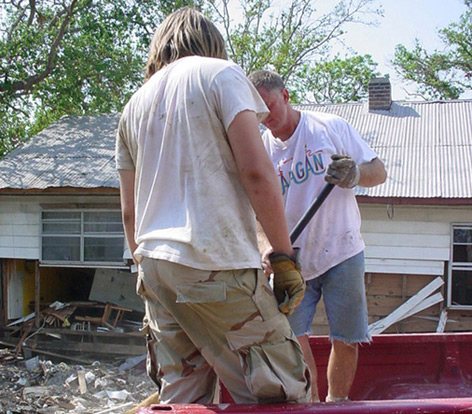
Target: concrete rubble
(38, 385)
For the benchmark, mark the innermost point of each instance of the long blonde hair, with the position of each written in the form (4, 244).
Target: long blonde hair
(185, 32)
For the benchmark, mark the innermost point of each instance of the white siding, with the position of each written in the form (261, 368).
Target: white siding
(19, 228)
(415, 240)
(20, 222)
(409, 239)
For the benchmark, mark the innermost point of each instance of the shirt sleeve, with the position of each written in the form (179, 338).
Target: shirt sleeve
(123, 157)
(349, 142)
(234, 93)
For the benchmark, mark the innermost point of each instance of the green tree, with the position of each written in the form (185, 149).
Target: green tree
(87, 56)
(336, 81)
(295, 41)
(440, 75)
(70, 57)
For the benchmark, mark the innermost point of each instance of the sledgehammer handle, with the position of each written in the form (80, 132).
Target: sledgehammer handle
(315, 205)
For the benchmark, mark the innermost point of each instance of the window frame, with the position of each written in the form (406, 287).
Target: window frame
(456, 266)
(83, 236)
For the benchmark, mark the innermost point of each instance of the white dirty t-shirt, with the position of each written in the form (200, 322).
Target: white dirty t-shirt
(190, 205)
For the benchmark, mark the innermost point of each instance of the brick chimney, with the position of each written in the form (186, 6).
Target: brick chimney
(380, 94)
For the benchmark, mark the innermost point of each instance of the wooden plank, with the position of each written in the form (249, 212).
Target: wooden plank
(392, 284)
(382, 324)
(384, 301)
(442, 321)
(37, 294)
(49, 353)
(416, 283)
(412, 325)
(88, 347)
(424, 304)
(111, 334)
(384, 284)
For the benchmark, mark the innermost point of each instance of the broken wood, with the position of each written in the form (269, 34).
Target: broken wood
(442, 321)
(81, 380)
(49, 353)
(405, 310)
(426, 303)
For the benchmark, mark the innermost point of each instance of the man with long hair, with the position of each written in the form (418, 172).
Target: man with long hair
(194, 175)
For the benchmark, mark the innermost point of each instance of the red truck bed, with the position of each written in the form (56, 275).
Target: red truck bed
(406, 373)
(407, 366)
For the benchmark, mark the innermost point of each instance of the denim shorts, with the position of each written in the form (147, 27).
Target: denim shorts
(343, 291)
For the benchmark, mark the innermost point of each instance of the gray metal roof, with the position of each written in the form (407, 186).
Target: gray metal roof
(426, 146)
(76, 152)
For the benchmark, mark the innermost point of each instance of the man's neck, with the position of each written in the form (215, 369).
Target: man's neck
(290, 126)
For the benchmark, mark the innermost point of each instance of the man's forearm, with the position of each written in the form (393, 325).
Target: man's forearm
(127, 207)
(372, 173)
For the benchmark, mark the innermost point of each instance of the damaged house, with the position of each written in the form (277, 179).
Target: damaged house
(61, 236)
(62, 241)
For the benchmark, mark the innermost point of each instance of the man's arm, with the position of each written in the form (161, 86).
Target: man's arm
(259, 180)
(372, 173)
(127, 207)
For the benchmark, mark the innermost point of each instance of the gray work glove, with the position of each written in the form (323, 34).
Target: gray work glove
(343, 171)
(289, 285)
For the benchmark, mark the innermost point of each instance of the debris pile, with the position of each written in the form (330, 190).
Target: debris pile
(40, 386)
(74, 332)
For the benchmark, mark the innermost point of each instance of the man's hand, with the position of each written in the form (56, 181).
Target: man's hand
(266, 261)
(343, 172)
(289, 285)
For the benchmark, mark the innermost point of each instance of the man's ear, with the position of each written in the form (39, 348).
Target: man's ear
(285, 95)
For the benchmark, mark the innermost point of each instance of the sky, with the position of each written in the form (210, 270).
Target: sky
(403, 21)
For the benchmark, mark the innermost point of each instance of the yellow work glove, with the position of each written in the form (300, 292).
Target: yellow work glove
(343, 171)
(289, 285)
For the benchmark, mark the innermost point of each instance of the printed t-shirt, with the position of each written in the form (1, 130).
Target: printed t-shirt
(333, 234)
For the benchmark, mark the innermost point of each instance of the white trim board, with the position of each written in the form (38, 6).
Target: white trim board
(404, 266)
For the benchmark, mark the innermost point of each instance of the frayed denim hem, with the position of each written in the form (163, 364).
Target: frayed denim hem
(366, 340)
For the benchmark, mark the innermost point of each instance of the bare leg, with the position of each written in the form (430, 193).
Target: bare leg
(341, 369)
(308, 355)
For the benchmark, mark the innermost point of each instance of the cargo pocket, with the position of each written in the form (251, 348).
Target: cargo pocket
(255, 284)
(201, 292)
(272, 360)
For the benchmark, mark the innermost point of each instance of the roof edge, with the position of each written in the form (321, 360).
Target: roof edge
(60, 191)
(435, 201)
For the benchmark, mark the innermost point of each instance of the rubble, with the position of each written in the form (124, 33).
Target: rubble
(36, 386)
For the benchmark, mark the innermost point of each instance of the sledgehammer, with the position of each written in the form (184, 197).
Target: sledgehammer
(315, 205)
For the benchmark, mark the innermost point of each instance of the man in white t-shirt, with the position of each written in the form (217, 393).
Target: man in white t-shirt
(193, 176)
(307, 149)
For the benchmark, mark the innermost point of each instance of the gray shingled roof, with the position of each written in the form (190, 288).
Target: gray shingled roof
(76, 152)
(426, 146)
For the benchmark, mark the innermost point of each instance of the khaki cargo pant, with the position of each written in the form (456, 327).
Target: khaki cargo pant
(204, 324)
